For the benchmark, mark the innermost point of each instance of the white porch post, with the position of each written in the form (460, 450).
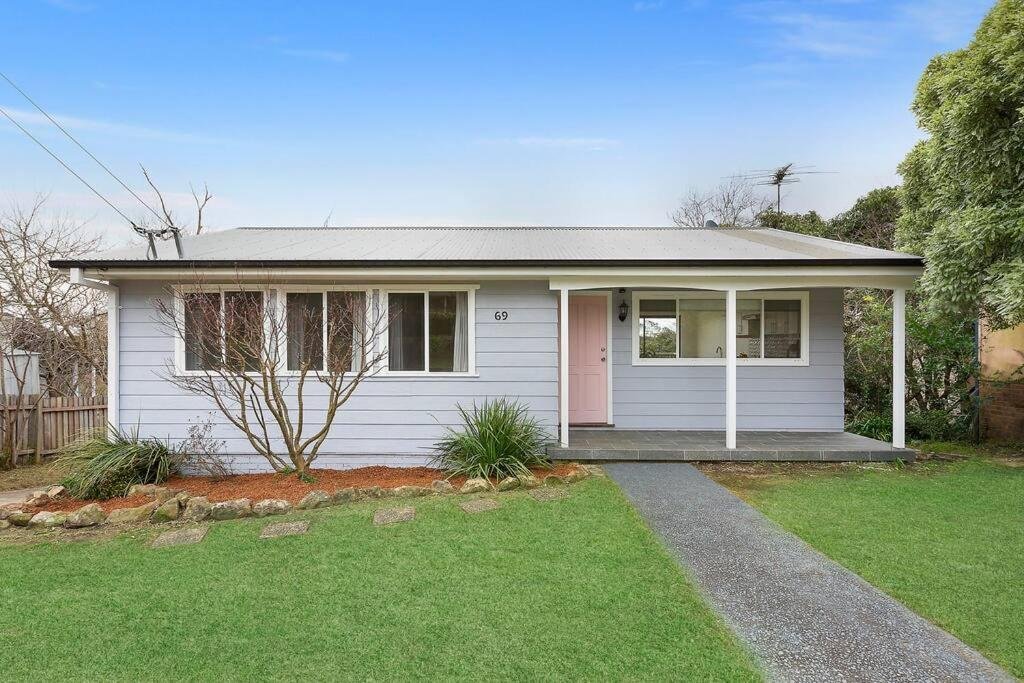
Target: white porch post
(899, 322)
(563, 367)
(730, 369)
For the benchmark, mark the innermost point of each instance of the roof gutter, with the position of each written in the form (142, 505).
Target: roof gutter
(113, 341)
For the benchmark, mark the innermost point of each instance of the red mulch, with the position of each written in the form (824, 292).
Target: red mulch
(288, 486)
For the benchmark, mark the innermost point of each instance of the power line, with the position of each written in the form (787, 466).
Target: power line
(82, 147)
(69, 169)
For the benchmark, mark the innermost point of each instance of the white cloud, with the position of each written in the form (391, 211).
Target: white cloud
(945, 21)
(33, 119)
(333, 56)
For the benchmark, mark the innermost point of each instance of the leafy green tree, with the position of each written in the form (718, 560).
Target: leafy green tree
(963, 189)
(940, 361)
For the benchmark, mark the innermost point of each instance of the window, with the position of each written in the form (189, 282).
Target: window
(689, 328)
(429, 331)
(222, 328)
(307, 335)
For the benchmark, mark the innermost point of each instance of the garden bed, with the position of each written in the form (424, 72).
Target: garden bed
(286, 486)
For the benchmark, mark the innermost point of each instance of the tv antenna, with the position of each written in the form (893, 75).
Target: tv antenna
(783, 175)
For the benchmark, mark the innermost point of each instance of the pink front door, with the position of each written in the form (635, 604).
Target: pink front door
(588, 359)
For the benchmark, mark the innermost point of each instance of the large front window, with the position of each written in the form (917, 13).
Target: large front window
(223, 329)
(324, 327)
(689, 328)
(429, 331)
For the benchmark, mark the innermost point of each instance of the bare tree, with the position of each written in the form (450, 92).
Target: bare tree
(267, 363)
(200, 200)
(40, 310)
(733, 204)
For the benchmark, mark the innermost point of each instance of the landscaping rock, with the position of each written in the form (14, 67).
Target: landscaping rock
(55, 492)
(475, 486)
(162, 494)
(180, 537)
(393, 515)
(349, 495)
(6, 512)
(549, 493)
(4, 524)
(314, 500)
(47, 520)
(285, 529)
(442, 486)
(131, 515)
(410, 491)
(554, 480)
(20, 518)
(141, 489)
(37, 498)
(528, 481)
(371, 492)
(167, 511)
(196, 509)
(183, 497)
(595, 470)
(271, 506)
(231, 509)
(87, 515)
(508, 483)
(480, 505)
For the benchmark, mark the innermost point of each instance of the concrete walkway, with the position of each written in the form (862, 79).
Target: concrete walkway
(803, 615)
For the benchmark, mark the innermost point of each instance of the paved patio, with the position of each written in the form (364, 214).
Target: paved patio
(692, 446)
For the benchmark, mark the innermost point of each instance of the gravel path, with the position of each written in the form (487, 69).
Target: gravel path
(803, 615)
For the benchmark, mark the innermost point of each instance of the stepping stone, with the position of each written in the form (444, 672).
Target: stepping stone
(480, 505)
(548, 494)
(285, 529)
(180, 537)
(393, 515)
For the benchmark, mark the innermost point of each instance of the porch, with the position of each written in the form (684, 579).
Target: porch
(697, 445)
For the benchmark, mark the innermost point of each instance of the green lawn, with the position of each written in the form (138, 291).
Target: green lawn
(573, 589)
(946, 539)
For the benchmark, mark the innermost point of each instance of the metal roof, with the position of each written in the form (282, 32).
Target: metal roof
(473, 246)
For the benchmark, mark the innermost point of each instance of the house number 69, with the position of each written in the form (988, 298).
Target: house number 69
(501, 315)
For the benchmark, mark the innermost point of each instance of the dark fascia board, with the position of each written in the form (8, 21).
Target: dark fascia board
(911, 261)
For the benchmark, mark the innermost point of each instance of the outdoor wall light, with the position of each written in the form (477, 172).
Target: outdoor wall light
(623, 311)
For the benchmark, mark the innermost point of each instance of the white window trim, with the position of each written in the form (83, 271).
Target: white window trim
(282, 311)
(784, 295)
(386, 290)
(179, 292)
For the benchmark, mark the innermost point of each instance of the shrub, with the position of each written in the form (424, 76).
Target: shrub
(201, 451)
(497, 439)
(106, 464)
(872, 425)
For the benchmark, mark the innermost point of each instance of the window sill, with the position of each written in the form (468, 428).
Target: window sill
(720, 362)
(425, 375)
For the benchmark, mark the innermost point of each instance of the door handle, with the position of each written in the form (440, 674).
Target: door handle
(602, 359)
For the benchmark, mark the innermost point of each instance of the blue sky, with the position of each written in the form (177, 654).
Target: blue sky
(487, 113)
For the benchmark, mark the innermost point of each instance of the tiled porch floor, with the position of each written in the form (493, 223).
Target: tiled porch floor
(688, 446)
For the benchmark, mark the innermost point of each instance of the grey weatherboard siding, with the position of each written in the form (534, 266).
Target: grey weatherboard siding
(394, 421)
(799, 398)
(389, 420)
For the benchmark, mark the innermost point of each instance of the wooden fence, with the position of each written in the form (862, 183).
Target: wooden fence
(43, 426)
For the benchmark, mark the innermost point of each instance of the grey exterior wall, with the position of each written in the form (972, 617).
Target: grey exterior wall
(394, 421)
(806, 398)
(389, 421)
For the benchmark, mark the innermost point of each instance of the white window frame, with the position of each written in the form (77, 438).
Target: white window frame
(765, 295)
(179, 292)
(323, 290)
(387, 290)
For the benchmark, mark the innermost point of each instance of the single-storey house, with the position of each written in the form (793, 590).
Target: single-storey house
(629, 343)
